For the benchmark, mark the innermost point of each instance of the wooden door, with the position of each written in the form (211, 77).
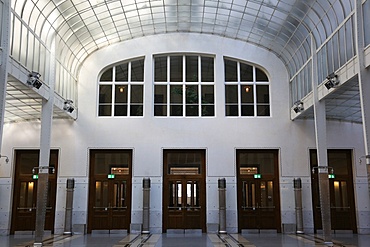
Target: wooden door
(25, 191)
(342, 203)
(184, 190)
(258, 190)
(110, 190)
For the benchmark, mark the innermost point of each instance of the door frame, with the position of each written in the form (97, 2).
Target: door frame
(350, 191)
(201, 177)
(93, 177)
(50, 216)
(276, 187)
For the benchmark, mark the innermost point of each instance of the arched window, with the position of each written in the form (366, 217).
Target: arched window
(247, 90)
(121, 90)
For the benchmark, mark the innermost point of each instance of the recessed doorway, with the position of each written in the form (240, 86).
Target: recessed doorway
(110, 190)
(184, 190)
(25, 191)
(258, 190)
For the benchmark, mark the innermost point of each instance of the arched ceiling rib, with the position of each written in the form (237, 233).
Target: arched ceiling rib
(282, 26)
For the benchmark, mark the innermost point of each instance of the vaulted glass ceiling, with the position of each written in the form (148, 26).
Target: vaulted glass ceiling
(73, 29)
(282, 26)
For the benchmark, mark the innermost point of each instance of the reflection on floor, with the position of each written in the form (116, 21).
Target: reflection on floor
(188, 240)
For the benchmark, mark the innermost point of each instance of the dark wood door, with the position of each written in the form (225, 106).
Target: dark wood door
(25, 192)
(258, 204)
(184, 208)
(184, 190)
(342, 203)
(258, 190)
(110, 190)
(109, 210)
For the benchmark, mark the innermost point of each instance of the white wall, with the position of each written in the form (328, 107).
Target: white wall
(147, 135)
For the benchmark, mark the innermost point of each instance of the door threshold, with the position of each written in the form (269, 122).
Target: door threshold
(96, 232)
(184, 231)
(259, 231)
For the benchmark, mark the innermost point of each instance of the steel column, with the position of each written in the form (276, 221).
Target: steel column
(298, 204)
(4, 56)
(222, 205)
(364, 84)
(69, 207)
(45, 139)
(146, 205)
(321, 145)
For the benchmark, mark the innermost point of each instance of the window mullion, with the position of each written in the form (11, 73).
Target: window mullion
(199, 86)
(184, 86)
(168, 87)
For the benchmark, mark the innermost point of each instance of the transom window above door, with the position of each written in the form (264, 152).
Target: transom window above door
(184, 86)
(247, 90)
(121, 90)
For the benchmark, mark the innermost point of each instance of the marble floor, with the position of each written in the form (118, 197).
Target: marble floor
(188, 240)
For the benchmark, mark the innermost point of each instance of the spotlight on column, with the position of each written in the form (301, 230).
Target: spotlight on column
(332, 81)
(68, 106)
(34, 79)
(298, 106)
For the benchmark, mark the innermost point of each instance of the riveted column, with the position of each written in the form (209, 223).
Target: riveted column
(222, 205)
(146, 205)
(298, 204)
(69, 207)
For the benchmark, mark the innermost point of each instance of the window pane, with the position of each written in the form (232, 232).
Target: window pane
(160, 100)
(263, 94)
(120, 99)
(207, 69)
(246, 72)
(207, 101)
(120, 110)
(207, 95)
(247, 110)
(107, 75)
(137, 70)
(122, 72)
(176, 68)
(105, 110)
(160, 69)
(176, 100)
(260, 75)
(192, 68)
(105, 94)
(137, 94)
(231, 70)
(263, 110)
(246, 94)
(192, 100)
(136, 107)
(120, 95)
(231, 94)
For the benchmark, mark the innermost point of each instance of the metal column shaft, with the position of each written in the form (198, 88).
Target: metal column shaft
(4, 56)
(146, 205)
(222, 205)
(298, 205)
(69, 207)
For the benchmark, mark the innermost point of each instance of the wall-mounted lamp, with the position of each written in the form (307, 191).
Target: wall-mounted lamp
(332, 81)
(6, 158)
(298, 106)
(68, 106)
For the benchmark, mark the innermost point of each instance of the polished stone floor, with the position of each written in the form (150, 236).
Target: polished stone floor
(188, 240)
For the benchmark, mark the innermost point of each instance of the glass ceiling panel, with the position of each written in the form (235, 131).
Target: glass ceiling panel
(278, 25)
